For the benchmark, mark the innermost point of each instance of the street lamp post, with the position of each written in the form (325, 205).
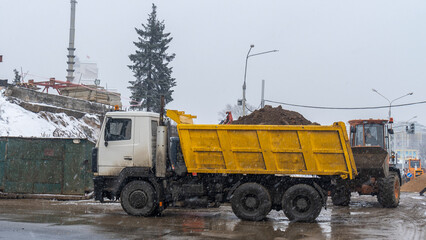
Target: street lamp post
(411, 119)
(245, 74)
(244, 84)
(390, 102)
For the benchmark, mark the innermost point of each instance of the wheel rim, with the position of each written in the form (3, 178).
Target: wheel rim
(301, 204)
(250, 202)
(138, 199)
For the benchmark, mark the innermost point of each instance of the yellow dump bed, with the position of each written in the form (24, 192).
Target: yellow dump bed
(266, 149)
(261, 149)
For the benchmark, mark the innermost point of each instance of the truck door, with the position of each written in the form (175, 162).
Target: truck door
(118, 140)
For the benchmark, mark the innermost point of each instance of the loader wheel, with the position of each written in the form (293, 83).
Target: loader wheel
(138, 198)
(341, 195)
(389, 190)
(251, 201)
(301, 203)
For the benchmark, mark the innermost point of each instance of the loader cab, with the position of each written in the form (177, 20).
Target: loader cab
(369, 133)
(414, 163)
(414, 168)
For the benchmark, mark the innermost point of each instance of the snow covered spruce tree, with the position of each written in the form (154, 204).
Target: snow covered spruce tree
(151, 66)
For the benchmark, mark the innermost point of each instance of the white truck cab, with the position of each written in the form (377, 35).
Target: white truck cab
(127, 139)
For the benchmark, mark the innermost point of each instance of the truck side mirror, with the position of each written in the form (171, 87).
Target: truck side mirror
(107, 135)
(390, 130)
(107, 138)
(353, 129)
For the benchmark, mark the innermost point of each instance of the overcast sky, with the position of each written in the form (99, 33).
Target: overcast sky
(331, 53)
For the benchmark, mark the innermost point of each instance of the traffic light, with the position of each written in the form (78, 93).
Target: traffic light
(412, 128)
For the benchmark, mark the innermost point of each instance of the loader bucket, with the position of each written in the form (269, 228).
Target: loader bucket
(371, 161)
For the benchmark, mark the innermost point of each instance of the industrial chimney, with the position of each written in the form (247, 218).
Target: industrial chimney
(71, 49)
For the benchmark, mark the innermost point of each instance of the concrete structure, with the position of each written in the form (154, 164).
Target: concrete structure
(39, 101)
(93, 93)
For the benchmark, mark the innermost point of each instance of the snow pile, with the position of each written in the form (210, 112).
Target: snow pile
(18, 122)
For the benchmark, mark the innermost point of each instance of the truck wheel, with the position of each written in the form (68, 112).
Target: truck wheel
(301, 203)
(251, 201)
(389, 190)
(138, 198)
(341, 195)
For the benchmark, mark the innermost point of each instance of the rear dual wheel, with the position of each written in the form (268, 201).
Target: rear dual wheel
(301, 203)
(341, 195)
(251, 201)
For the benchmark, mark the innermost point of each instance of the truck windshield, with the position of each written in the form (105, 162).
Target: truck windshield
(414, 164)
(118, 129)
(369, 135)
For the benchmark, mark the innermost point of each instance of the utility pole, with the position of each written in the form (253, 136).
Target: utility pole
(71, 49)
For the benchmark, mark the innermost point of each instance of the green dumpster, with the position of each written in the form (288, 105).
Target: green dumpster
(45, 165)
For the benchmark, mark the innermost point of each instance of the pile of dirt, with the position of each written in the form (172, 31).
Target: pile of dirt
(274, 116)
(415, 185)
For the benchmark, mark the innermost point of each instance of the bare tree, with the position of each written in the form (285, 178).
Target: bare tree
(237, 111)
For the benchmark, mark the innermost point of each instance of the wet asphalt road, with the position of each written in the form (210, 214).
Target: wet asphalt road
(363, 219)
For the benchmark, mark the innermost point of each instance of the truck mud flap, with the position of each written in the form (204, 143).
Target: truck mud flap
(232, 190)
(322, 194)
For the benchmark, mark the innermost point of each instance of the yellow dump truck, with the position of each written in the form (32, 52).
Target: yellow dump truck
(256, 168)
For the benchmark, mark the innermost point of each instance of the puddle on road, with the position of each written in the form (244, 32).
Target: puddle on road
(363, 219)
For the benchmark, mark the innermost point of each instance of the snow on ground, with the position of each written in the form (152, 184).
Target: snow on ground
(18, 122)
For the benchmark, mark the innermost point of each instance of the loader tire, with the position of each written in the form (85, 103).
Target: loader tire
(389, 191)
(138, 198)
(301, 203)
(341, 195)
(251, 201)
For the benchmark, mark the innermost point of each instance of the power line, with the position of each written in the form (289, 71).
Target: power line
(344, 108)
(254, 109)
